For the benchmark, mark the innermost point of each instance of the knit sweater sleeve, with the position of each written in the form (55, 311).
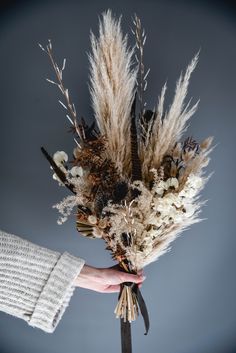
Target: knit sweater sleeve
(36, 283)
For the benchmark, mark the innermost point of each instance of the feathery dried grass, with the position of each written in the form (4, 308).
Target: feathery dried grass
(196, 165)
(112, 83)
(162, 244)
(169, 127)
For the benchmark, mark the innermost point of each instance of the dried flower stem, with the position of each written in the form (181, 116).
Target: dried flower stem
(58, 171)
(127, 305)
(69, 105)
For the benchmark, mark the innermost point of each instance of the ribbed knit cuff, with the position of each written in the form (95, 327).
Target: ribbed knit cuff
(56, 293)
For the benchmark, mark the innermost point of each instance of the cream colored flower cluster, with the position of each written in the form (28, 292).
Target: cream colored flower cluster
(76, 176)
(151, 218)
(60, 158)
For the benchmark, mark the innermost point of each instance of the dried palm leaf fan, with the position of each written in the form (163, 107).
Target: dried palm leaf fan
(133, 182)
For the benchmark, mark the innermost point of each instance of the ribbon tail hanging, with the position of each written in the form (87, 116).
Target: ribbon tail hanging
(142, 306)
(126, 339)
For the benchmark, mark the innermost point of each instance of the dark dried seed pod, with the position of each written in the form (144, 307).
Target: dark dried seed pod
(120, 191)
(100, 201)
(126, 238)
(191, 145)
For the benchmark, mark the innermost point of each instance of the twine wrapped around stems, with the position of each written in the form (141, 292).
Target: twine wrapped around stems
(130, 304)
(127, 306)
(127, 309)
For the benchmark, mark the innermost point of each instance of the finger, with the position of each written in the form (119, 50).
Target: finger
(140, 272)
(117, 267)
(114, 288)
(128, 277)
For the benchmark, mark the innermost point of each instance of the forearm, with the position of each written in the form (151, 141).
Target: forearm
(36, 284)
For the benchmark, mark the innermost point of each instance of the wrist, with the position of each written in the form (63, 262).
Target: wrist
(89, 273)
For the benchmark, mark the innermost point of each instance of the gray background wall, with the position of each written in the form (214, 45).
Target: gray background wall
(190, 292)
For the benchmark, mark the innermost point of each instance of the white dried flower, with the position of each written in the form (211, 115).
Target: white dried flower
(195, 181)
(159, 188)
(76, 172)
(176, 215)
(97, 233)
(60, 157)
(172, 182)
(190, 209)
(193, 185)
(164, 207)
(55, 177)
(92, 219)
(171, 198)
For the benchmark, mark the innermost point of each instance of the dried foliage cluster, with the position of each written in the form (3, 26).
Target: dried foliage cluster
(135, 184)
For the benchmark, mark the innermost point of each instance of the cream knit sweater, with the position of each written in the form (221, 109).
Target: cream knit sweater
(36, 283)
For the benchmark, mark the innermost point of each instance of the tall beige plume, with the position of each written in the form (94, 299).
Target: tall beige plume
(168, 127)
(112, 83)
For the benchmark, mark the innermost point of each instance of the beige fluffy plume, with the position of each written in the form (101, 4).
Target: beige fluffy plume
(112, 83)
(168, 127)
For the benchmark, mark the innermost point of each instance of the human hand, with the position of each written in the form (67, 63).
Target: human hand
(106, 280)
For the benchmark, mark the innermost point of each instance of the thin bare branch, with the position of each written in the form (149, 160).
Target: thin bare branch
(69, 106)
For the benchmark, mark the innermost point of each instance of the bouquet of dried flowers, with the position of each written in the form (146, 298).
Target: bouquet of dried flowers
(134, 183)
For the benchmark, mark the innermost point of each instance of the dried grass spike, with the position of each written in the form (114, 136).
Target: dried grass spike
(112, 83)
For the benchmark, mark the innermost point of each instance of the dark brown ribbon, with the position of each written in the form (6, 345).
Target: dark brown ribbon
(126, 339)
